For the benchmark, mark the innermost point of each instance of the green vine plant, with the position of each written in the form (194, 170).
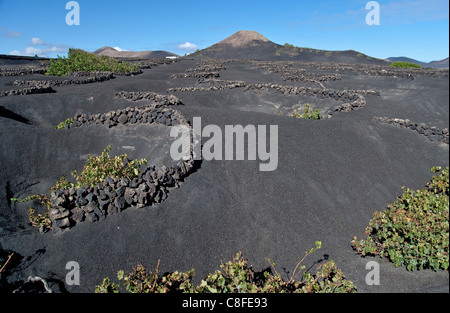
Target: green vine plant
(405, 65)
(414, 230)
(81, 61)
(41, 221)
(96, 170)
(65, 124)
(308, 114)
(234, 276)
(299, 266)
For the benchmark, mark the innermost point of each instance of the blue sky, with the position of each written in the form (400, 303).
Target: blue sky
(414, 28)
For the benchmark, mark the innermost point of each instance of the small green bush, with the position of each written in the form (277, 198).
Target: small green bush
(234, 277)
(141, 281)
(405, 65)
(414, 230)
(81, 61)
(289, 46)
(96, 170)
(64, 124)
(287, 49)
(38, 220)
(308, 114)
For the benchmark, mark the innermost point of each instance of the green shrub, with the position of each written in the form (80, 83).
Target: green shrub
(81, 61)
(107, 287)
(139, 281)
(40, 220)
(234, 277)
(96, 170)
(405, 65)
(287, 49)
(64, 124)
(308, 114)
(413, 231)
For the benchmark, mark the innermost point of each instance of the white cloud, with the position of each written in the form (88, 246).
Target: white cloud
(188, 46)
(57, 49)
(45, 49)
(29, 51)
(37, 41)
(9, 33)
(119, 49)
(32, 51)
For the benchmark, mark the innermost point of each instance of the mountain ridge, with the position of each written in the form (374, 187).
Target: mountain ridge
(114, 53)
(444, 63)
(247, 44)
(242, 38)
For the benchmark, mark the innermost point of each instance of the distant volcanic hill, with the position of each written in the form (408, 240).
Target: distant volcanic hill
(434, 64)
(252, 45)
(113, 53)
(242, 45)
(439, 64)
(244, 38)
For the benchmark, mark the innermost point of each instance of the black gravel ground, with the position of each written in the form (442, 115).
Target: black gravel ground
(332, 175)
